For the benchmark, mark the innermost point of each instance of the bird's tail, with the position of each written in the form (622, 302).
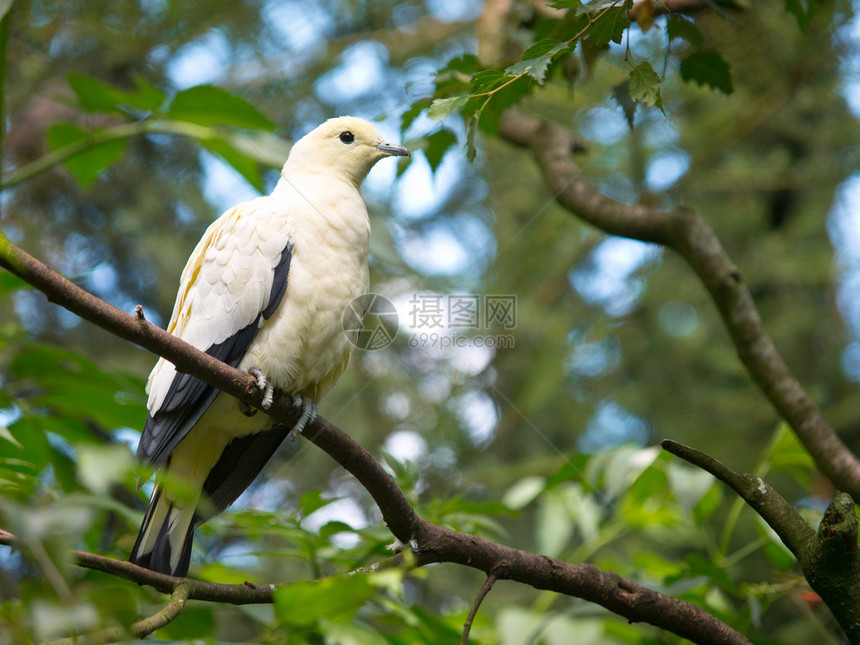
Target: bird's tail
(164, 541)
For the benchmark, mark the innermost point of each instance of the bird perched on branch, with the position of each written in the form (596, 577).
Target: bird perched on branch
(265, 291)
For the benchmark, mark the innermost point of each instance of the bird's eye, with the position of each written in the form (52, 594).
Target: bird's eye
(347, 137)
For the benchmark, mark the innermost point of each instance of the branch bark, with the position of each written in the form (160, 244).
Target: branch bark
(689, 235)
(436, 544)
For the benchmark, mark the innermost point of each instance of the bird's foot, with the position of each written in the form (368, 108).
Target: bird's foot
(309, 413)
(264, 384)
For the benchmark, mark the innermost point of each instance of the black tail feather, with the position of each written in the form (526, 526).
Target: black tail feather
(239, 464)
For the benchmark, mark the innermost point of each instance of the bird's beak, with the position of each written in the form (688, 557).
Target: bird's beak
(392, 149)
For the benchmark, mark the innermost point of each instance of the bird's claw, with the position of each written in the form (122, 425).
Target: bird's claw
(309, 413)
(264, 384)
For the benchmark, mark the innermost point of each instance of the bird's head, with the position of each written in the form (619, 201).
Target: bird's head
(344, 145)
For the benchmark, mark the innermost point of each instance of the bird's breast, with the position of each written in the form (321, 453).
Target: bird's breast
(303, 348)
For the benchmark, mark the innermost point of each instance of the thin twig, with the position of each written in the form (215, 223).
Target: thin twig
(141, 628)
(170, 611)
(244, 594)
(485, 589)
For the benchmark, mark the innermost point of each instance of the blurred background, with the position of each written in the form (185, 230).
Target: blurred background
(538, 432)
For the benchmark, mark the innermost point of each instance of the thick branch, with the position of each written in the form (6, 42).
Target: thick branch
(829, 558)
(831, 564)
(606, 588)
(436, 544)
(689, 235)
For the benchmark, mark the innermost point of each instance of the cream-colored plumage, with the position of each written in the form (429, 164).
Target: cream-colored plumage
(265, 290)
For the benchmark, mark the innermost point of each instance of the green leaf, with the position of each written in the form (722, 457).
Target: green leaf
(195, 622)
(554, 525)
(537, 58)
(566, 4)
(438, 144)
(11, 282)
(708, 504)
(146, 97)
(313, 501)
(86, 165)
(246, 167)
(609, 27)
(440, 109)
(79, 389)
(93, 95)
(621, 93)
(487, 80)
(645, 85)
(210, 105)
(303, 604)
(352, 633)
(519, 625)
(412, 113)
(99, 467)
(27, 450)
(265, 148)
(502, 98)
(542, 48)
(620, 467)
(524, 492)
(688, 484)
(789, 455)
(680, 27)
(803, 15)
(455, 76)
(708, 68)
(700, 566)
(333, 528)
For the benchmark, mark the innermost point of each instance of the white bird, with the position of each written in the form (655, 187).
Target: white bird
(265, 291)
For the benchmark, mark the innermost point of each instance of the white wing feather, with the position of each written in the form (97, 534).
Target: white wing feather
(226, 283)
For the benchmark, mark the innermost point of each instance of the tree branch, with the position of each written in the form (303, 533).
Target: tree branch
(829, 558)
(659, 7)
(142, 628)
(789, 525)
(689, 235)
(246, 594)
(167, 613)
(124, 131)
(482, 593)
(436, 544)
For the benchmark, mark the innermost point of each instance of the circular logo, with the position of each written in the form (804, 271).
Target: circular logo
(370, 322)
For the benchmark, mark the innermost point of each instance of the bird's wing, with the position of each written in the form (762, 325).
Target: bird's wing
(235, 279)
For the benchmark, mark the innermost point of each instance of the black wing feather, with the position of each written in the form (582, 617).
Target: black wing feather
(188, 397)
(240, 463)
(279, 283)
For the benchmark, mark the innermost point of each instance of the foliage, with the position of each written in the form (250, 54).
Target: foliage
(745, 101)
